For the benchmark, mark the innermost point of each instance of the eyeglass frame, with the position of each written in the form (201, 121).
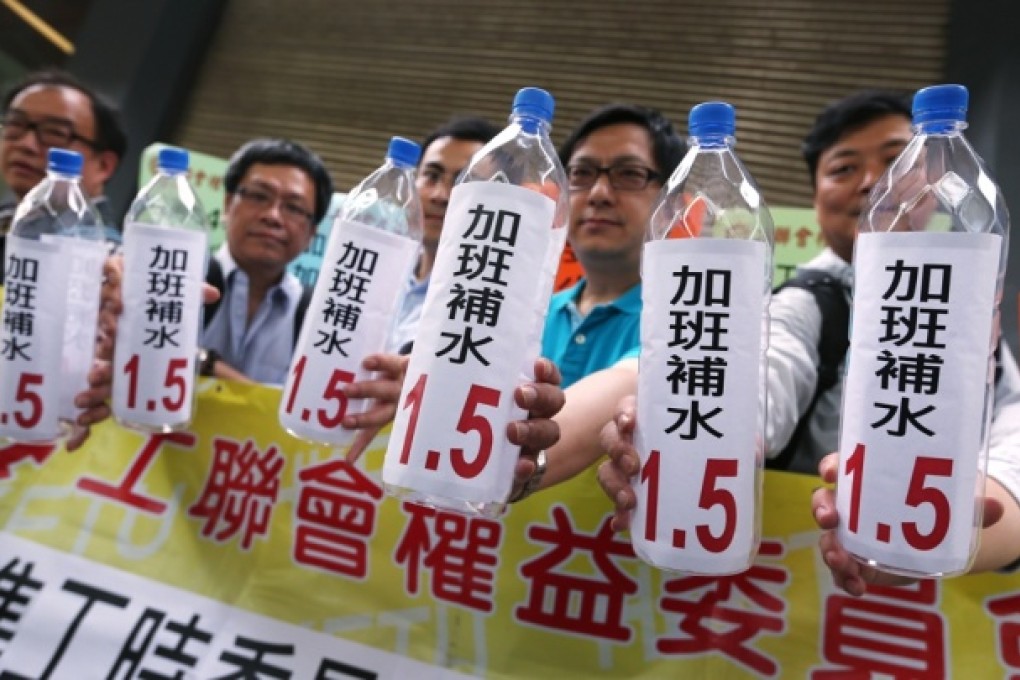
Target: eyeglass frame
(35, 127)
(650, 175)
(264, 199)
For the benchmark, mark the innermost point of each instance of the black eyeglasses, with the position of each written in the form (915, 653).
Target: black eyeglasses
(622, 177)
(51, 132)
(263, 199)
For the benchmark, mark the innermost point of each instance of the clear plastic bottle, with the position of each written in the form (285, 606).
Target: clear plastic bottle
(706, 284)
(371, 252)
(482, 321)
(165, 254)
(929, 265)
(52, 279)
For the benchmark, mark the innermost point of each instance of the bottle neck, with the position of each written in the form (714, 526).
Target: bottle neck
(712, 141)
(172, 172)
(940, 127)
(399, 164)
(530, 123)
(56, 175)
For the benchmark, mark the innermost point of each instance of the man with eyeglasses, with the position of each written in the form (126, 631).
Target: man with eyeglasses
(445, 153)
(277, 191)
(52, 109)
(616, 159)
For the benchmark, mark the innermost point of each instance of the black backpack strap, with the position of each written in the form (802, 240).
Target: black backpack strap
(302, 309)
(833, 343)
(214, 277)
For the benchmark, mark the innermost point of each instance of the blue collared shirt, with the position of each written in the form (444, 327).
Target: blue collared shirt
(582, 345)
(261, 350)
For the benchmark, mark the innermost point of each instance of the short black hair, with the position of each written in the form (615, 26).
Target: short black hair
(849, 114)
(109, 131)
(281, 152)
(463, 128)
(668, 147)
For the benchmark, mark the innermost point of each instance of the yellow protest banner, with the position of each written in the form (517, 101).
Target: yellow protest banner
(234, 548)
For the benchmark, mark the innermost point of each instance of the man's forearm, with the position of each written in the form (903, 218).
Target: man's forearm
(590, 404)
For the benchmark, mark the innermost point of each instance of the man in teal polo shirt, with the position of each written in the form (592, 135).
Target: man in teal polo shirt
(617, 160)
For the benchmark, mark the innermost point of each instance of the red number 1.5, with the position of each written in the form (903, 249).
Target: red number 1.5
(464, 466)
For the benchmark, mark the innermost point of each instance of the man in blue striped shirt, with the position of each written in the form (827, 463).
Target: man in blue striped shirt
(277, 191)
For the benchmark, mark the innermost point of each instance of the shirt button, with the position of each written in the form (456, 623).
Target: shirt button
(579, 339)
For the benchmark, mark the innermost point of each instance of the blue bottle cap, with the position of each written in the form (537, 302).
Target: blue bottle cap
(173, 158)
(712, 119)
(64, 161)
(404, 151)
(940, 102)
(534, 101)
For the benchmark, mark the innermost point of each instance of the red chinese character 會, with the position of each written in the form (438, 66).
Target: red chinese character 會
(552, 592)
(782, 235)
(240, 491)
(461, 553)
(893, 631)
(124, 492)
(726, 613)
(336, 513)
(1006, 610)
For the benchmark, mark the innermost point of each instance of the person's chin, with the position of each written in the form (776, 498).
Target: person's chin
(266, 254)
(603, 252)
(20, 182)
(431, 236)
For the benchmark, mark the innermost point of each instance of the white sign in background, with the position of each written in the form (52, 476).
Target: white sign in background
(699, 495)
(313, 403)
(153, 378)
(448, 443)
(35, 300)
(84, 259)
(906, 498)
(78, 619)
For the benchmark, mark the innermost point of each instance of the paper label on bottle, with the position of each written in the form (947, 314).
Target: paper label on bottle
(364, 272)
(31, 339)
(700, 404)
(478, 338)
(913, 429)
(157, 336)
(84, 261)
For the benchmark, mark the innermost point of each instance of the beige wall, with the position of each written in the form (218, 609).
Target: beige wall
(344, 76)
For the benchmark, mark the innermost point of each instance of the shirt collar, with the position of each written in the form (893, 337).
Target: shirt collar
(836, 266)
(416, 286)
(628, 303)
(289, 285)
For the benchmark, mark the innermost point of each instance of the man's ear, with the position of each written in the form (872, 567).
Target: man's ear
(107, 162)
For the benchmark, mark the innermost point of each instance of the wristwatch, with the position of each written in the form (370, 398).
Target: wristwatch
(531, 485)
(207, 359)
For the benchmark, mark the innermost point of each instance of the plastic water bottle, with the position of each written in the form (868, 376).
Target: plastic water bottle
(482, 320)
(371, 252)
(52, 278)
(929, 265)
(165, 253)
(706, 284)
